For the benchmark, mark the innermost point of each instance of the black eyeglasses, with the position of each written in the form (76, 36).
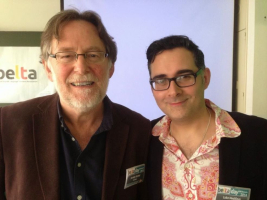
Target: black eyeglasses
(185, 80)
(71, 57)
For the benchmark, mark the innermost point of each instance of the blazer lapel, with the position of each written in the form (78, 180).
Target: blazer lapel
(229, 155)
(154, 171)
(116, 142)
(46, 146)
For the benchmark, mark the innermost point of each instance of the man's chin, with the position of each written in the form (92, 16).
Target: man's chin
(86, 104)
(80, 107)
(82, 102)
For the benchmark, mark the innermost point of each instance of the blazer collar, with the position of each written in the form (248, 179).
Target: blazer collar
(46, 146)
(154, 168)
(116, 143)
(48, 103)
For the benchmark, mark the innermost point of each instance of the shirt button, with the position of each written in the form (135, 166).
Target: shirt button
(79, 197)
(79, 164)
(73, 139)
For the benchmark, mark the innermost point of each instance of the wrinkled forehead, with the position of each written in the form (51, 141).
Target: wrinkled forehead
(78, 34)
(72, 28)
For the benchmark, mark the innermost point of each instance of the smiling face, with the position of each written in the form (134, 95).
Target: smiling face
(80, 85)
(179, 103)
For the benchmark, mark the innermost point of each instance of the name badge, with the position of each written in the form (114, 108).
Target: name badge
(134, 175)
(232, 193)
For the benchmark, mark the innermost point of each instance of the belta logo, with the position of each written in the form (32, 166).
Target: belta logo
(19, 73)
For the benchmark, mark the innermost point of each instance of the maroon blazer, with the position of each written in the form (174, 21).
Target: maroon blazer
(29, 151)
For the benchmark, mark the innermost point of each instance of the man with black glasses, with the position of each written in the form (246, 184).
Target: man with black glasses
(198, 150)
(75, 144)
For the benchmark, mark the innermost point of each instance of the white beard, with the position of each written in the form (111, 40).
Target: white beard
(86, 99)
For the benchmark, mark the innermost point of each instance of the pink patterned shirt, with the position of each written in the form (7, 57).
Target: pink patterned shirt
(196, 178)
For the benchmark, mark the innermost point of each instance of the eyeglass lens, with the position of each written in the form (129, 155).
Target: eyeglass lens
(71, 57)
(181, 81)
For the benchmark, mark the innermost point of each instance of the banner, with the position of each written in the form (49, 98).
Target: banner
(22, 76)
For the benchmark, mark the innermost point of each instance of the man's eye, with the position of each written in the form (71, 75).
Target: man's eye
(65, 56)
(160, 81)
(93, 55)
(184, 77)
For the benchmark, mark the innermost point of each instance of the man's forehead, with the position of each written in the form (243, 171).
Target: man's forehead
(178, 60)
(68, 46)
(72, 23)
(85, 36)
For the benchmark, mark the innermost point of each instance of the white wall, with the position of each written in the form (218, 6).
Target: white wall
(250, 55)
(256, 58)
(260, 60)
(26, 15)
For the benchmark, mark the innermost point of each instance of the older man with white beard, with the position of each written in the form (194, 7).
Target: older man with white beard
(75, 144)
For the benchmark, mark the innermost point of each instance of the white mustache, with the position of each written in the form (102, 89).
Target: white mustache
(82, 78)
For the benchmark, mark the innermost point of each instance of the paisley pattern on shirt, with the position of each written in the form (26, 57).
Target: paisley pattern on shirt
(209, 180)
(196, 178)
(169, 180)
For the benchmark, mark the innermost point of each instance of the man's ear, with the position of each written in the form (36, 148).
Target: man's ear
(111, 70)
(207, 76)
(47, 70)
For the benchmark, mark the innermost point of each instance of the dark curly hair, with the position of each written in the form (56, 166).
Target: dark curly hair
(172, 42)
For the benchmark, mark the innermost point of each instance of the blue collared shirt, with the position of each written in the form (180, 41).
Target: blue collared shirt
(81, 172)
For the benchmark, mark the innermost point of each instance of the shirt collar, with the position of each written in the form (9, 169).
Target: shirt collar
(225, 124)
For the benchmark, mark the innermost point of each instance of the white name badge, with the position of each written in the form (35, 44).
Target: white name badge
(134, 175)
(232, 193)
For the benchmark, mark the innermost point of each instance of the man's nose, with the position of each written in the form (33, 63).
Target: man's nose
(81, 65)
(174, 89)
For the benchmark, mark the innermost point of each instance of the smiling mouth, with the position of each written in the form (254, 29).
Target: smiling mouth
(83, 83)
(178, 103)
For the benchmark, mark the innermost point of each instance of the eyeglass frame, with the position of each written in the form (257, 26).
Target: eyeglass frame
(174, 79)
(77, 54)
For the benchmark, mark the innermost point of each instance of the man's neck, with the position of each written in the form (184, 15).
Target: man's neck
(83, 125)
(191, 133)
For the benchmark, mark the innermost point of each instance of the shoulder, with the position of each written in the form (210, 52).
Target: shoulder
(138, 127)
(248, 120)
(31, 106)
(128, 115)
(251, 126)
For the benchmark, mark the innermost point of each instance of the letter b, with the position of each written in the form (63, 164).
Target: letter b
(2, 74)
